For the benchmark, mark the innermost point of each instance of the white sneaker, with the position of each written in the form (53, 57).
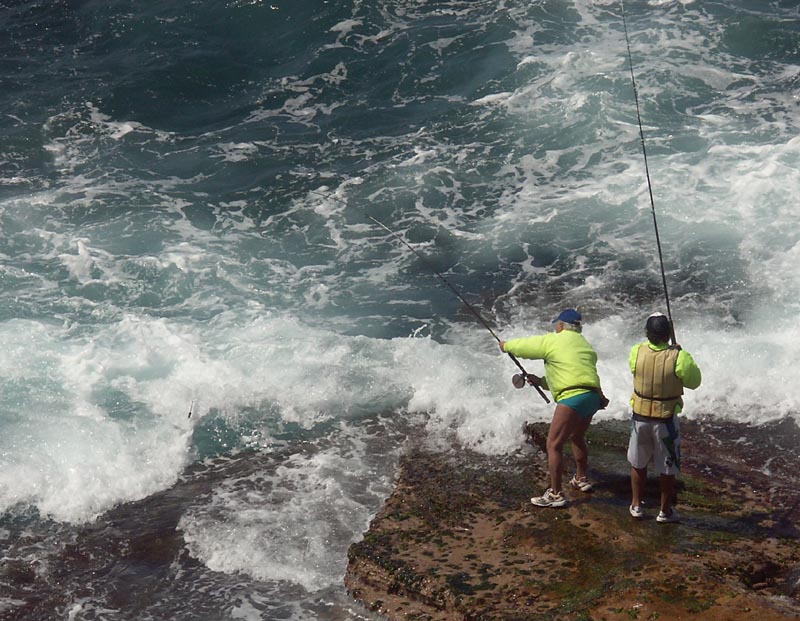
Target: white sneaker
(582, 484)
(668, 518)
(636, 512)
(549, 499)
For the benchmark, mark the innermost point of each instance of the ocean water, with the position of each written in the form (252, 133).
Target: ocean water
(212, 358)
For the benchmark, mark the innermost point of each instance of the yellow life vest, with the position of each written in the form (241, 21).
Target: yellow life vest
(657, 389)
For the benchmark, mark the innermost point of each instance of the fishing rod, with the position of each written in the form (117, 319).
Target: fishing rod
(647, 174)
(517, 380)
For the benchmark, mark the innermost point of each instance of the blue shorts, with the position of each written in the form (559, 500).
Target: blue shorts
(585, 404)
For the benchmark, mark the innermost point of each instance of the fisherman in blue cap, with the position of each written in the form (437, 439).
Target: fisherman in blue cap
(571, 376)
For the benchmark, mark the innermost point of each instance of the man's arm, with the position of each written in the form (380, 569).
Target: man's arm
(632, 356)
(687, 370)
(530, 347)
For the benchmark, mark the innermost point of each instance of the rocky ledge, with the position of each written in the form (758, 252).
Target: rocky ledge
(459, 539)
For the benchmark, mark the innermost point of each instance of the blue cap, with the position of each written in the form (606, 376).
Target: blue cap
(569, 315)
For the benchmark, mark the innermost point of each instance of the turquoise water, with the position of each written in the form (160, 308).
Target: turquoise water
(184, 192)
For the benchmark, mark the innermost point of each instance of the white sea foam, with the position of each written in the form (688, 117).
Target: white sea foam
(344, 27)
(293, 520)
(154, 369)
(207, 248)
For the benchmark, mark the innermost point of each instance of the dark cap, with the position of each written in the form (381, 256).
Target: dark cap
(658, 327)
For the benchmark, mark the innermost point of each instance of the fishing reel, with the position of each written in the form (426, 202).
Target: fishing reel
(520, 379)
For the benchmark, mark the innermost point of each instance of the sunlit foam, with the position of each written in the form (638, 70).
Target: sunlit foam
(292, 522)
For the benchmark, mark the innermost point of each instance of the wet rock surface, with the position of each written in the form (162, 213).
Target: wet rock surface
(459, 539)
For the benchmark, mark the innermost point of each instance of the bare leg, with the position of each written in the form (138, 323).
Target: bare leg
(638, 480)
(667, 492)
(580, 451)
(561, 429)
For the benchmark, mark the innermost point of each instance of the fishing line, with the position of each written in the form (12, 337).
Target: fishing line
(517, 383)
(647, 173)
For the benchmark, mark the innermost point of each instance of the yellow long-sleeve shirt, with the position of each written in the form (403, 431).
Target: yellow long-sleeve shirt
(569, 360)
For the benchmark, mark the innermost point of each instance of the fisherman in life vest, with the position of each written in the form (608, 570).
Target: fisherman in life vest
(660, 373)
(571, 375)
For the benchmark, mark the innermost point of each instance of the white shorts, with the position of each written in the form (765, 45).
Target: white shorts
(656, 442)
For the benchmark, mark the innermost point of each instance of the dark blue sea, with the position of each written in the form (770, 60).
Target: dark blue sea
(211, 358)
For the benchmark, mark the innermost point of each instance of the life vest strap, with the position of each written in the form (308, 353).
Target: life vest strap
(638, 394)
(651, 419)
